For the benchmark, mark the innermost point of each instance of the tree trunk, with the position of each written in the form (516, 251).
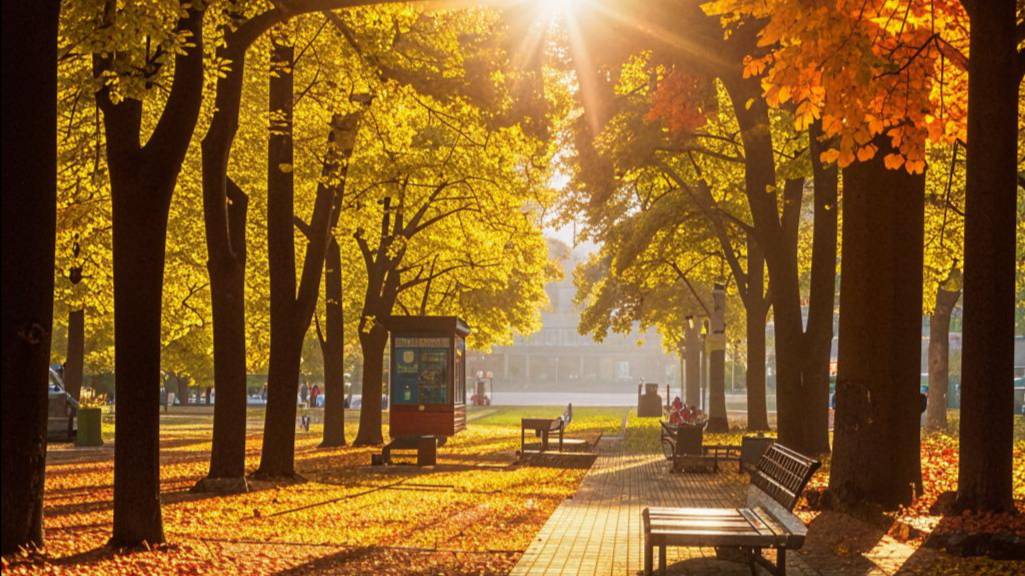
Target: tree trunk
(984, 473)
(947, 295)
(29, 230)
(796, 395)
(372, 344)
(183, 385)
(139, 233)
(277, 457)
(227, 289)
(142, 180)
(692, 352)
(818, 335)
(293, 302)
(876, 456)
(756, 308)
(74, 365)
(333, 347)
(225, 212)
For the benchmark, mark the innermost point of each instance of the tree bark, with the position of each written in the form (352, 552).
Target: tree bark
(224, 213)
(142, 180)
(798, 393)
(74, 365)
(278, 457)
(293, 302)
(877, 453)
(333, 348)
(947, 295)
(987, 401)
(29, 231)
(372, 344)
(818, 335)
(756, 308)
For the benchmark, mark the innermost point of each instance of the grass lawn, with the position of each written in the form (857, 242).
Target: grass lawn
(475, 512)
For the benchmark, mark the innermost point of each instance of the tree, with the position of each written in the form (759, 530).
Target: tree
(29, 220)
(142, 178)
(947, 295)
(293, 300)
(985, 465)
(879, 356)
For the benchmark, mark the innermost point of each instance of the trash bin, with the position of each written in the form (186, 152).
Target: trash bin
(89, 427)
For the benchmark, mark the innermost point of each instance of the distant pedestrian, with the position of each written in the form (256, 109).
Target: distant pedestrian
(304, 393)
(314, 394)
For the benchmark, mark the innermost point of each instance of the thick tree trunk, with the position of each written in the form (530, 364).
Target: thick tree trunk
(140, 227)
(74, 365)
(692, 354)
(29, 228)
(277, 458)
(227, 288)
(142, 180)
(756, 308)
(947, 295)
(876, 456)
(333, 347)
(984, 473)
(372, 344)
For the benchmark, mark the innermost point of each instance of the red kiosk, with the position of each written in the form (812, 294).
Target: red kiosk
(428, 383)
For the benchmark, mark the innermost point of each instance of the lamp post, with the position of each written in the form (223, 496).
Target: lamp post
(715, 346)
(692, 358)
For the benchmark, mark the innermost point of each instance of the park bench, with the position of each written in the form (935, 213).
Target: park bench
(683, 447)
(544, 427)
(767, 520)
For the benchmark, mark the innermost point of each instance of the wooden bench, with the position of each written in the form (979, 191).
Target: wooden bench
(767, 520)
(544, 427)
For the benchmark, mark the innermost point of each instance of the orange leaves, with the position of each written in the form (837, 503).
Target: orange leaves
(864, 68)
(682, 101)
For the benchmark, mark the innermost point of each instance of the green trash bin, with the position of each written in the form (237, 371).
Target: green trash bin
(89, 427)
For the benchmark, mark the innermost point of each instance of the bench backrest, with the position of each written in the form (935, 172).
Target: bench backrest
(783, 473)
(567, 415)
(751, 450)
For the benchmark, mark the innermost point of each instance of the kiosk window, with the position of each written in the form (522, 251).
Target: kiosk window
(421, 371)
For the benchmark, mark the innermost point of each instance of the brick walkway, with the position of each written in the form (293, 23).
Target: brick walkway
(598, 530)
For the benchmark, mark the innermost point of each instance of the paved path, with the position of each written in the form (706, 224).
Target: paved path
(598, 530)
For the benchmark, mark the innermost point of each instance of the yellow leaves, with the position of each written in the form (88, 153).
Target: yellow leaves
(285, 168)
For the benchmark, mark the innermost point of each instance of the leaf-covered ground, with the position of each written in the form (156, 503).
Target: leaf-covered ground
(474, 513)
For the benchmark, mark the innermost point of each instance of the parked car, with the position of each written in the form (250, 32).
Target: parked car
(62, 421)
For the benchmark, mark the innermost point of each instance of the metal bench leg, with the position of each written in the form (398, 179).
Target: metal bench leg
(781, 561)
(662, 559)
